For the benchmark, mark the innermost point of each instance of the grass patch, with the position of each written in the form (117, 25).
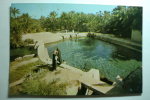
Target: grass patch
(15, 91)
(41, 88)
(21, 71)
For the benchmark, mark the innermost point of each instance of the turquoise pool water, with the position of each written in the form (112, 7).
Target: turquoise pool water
(86, 53)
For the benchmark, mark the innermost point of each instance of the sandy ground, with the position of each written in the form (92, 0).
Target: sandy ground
(21, 63)
(69, 77)
(48, 37)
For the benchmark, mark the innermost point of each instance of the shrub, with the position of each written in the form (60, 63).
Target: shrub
(29, 41)
(41, 88)
(91, 35)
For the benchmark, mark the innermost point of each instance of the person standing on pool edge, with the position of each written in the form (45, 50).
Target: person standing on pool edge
(59, 59)
(54, 62)
(56, 58)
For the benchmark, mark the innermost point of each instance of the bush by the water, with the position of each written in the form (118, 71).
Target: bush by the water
(20, 44)
(29, 41)
(92, 35)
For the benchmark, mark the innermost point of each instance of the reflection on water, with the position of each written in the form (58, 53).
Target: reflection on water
(87, 53)
(20, 52)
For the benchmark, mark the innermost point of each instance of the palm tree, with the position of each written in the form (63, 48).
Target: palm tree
(52, 20)
(53, 14)
(26, 22)
(14, 12)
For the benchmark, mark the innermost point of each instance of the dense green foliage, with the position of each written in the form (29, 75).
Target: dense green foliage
(21, 25)
(119, 22)
(29, 41)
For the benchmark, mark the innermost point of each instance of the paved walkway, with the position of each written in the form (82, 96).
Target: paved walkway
(48, 37)
(43, 53)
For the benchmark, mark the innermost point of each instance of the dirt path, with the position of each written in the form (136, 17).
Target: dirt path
(21, 63)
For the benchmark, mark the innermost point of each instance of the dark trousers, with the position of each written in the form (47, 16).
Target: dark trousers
(54, 64)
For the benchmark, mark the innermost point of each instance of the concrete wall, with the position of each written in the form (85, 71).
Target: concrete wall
(136, 36)
(121, 42)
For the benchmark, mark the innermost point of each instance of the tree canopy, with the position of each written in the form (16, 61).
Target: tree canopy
(119, 22)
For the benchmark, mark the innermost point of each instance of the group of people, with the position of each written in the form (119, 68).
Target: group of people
(56, 59)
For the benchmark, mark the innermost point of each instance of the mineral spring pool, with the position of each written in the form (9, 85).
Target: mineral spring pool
(110, 59)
